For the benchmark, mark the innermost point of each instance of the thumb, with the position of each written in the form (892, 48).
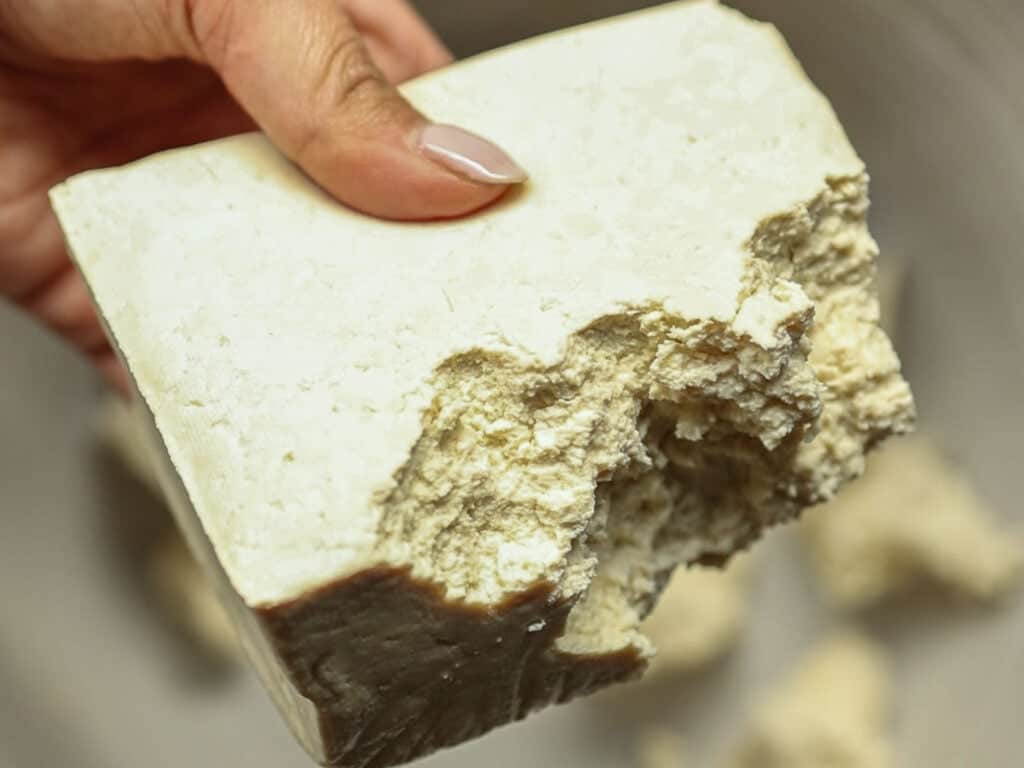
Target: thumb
(303, 73)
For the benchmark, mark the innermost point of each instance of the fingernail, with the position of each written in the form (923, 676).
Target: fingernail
(469, 155)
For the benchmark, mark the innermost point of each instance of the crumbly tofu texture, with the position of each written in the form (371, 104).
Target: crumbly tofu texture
(833, 711)
(698, 619)
(914, 520)
(455, 462)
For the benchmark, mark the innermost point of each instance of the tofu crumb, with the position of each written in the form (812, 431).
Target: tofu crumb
(833, 711)
(914, 520)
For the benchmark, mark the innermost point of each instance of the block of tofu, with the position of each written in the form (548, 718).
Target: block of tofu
(834, 711)
(441, 471)
(698, 618)
(913, 520)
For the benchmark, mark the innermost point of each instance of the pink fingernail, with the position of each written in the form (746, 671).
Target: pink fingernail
(469, 155)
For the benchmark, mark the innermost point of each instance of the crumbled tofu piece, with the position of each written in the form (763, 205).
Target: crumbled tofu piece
(834, 711)
(913, 520)
(440, 472)
(659, 747)
(698, 618)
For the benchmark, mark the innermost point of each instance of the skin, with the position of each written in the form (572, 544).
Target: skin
(94, 83)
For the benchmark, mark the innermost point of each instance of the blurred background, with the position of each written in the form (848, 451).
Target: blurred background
(93, 672)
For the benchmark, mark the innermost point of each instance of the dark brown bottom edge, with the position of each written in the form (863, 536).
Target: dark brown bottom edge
(396, 671)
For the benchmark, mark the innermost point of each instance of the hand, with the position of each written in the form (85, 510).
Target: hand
(93, 83)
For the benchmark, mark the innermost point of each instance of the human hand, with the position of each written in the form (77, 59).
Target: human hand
(94, 83)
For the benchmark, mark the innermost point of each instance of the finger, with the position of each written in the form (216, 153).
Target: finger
(325, 104)
(302, 72)
(102, 30)
(65, 306)
(396, 65)
(400, 28)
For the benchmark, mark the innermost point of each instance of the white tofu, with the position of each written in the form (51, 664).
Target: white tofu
(441, 471)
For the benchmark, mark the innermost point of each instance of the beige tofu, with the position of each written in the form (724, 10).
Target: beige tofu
(833, 711)
(439, 472)
(914, 520)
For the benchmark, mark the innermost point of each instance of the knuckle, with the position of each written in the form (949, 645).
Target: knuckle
(208, 27)
(348, 85)
(349, 76)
